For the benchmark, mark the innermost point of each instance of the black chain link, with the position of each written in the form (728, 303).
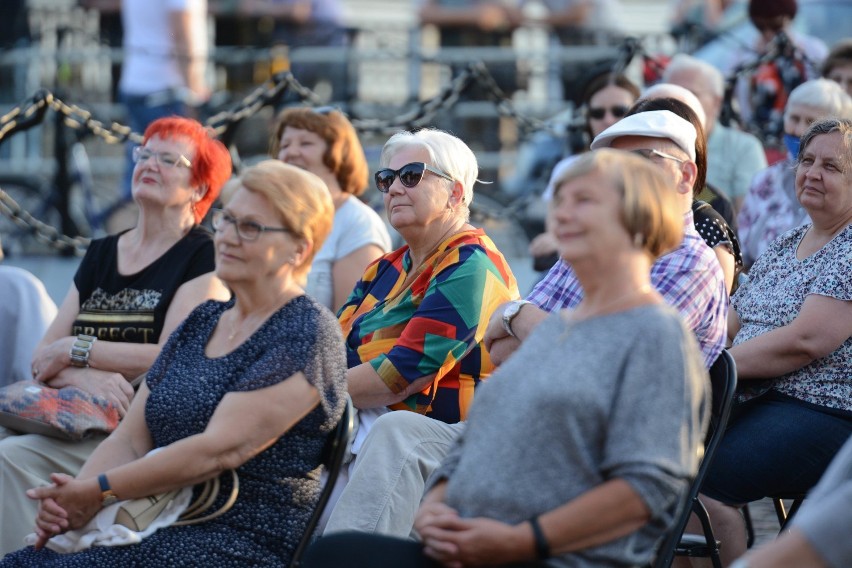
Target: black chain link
(33, 110)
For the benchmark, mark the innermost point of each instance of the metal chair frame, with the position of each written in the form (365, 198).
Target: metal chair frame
(723, 379)
(332, 457)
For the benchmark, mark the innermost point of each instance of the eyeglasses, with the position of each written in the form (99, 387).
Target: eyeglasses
(409, 175)
(166, 159)
(599, 112)
(246, 230)
(650, 154)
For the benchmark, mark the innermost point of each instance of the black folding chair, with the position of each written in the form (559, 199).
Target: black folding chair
(781, 512)
(332, 457)
(723, 380)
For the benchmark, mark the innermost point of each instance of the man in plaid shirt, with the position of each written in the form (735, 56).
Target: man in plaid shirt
(689, 278)
(404, 448)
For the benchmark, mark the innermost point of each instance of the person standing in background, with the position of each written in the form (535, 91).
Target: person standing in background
(165, 56)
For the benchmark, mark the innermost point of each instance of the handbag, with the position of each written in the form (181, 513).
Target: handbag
(68, 413)
(138, 514)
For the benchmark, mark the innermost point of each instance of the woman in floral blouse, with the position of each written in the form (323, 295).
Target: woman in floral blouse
(792, 343)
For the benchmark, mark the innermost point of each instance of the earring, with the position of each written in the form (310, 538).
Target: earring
(638, 240)
(291, 260)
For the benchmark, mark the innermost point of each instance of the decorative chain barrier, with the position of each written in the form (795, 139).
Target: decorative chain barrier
(33, 110)
(42, 231)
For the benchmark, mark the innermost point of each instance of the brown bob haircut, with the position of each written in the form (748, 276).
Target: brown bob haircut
(344, 155)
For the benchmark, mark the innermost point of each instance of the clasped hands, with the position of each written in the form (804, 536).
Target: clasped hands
(66, 504)
(457, 542)
(51, 365)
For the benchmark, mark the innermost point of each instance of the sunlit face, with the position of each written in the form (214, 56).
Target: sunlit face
(823, 179)
(797, 118)
(585, 217)
(842, 75)
(609, 99)
(267, 257)
(419, 206)
(303, 149)
(168, 186)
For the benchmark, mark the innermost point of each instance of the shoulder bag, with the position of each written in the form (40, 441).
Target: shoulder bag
(138, 514)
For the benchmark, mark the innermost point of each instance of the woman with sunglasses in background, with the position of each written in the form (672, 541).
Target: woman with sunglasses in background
(129, 293)
(414, 324)
(323, 142)
(606, 100)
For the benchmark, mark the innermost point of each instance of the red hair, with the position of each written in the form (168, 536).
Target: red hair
(211, 166)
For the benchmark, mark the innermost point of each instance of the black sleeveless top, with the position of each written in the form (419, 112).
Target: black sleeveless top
(115, 307)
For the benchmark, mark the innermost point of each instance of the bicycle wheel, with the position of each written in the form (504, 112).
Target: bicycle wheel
(501, 223)
(31, 194)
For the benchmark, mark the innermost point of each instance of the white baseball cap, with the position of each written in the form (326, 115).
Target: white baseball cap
(654, 124)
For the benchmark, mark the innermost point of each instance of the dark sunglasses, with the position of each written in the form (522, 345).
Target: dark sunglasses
(599, 112)
(409, 175)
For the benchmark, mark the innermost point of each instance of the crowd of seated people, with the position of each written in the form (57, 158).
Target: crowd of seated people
(562, 429)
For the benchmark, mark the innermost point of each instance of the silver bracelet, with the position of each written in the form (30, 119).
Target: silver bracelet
(81, 349)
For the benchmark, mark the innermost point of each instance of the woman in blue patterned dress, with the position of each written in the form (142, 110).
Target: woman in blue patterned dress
(792, 342)
(254, 384)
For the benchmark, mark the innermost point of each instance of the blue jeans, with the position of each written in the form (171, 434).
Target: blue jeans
(142, 110)
(774, 444)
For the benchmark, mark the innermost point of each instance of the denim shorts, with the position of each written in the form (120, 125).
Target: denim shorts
(774, 445)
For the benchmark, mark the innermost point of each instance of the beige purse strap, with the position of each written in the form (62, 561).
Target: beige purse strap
(209, 492)
(191, 519)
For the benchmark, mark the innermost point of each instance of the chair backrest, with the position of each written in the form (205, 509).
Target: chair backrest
(332, 458)
(723, 383)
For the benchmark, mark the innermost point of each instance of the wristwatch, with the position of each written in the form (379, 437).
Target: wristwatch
(81, 349)
(509, 313)
(108, 496)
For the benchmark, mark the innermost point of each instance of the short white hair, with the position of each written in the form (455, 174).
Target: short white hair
(678, 93)
(823, 94)
(446, 152)
(686, 62)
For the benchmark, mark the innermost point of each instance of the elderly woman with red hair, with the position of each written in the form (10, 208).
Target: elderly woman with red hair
(323, 142)
(129, 293)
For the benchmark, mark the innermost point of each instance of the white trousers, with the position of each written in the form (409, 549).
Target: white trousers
(388, 477)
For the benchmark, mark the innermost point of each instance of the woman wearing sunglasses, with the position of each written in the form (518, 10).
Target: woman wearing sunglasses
(578, 448)
(323, 142)
(129, 293)
(607, 98)
(412, 324)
